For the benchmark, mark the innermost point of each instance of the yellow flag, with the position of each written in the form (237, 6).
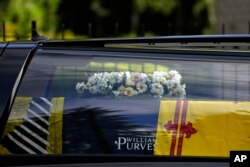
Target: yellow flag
(202, 128)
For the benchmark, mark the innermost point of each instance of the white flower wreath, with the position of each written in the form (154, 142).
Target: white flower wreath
(133, 83)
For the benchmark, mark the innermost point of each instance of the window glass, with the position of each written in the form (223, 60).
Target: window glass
(80, 102)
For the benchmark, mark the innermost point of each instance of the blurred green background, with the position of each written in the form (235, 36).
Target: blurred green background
(78, 19)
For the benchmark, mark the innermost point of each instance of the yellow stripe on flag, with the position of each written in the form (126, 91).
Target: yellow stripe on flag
(205, 128)
(163, 138)
(56, 125)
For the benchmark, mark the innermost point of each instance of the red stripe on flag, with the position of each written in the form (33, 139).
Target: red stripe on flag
(176, 119)
(183, 123)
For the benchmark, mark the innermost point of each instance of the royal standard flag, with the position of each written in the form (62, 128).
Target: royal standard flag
(202, 128)
(39, 125)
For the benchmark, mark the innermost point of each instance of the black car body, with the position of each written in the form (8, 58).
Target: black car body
(165, 100)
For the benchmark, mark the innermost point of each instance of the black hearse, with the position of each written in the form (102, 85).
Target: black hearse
(151, 101)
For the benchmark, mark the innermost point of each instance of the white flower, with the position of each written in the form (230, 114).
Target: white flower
(129, 91)
(110, 87)
(157, 89)
(163, 80)
(136, 77)
(115, 77)
(171, 84)
(144, 77)
(94, 89)
(102, 83)
(121, 89)
(92, 80)
(129, 82)
(179, 90)
(158, 76)
(127, 74)
(141, 87)
(173, 74)
(80, 86)
(148, 80)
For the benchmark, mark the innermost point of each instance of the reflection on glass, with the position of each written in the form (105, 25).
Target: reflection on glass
(79, 103)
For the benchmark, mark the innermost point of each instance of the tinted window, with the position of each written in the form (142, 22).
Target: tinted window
(92, 102)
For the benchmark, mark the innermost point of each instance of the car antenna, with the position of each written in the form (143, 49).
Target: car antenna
(37, 37)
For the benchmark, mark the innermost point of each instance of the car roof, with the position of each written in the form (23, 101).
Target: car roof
(160, 42)
(187, 40)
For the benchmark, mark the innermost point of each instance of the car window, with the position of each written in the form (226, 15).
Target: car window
(110, 102)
